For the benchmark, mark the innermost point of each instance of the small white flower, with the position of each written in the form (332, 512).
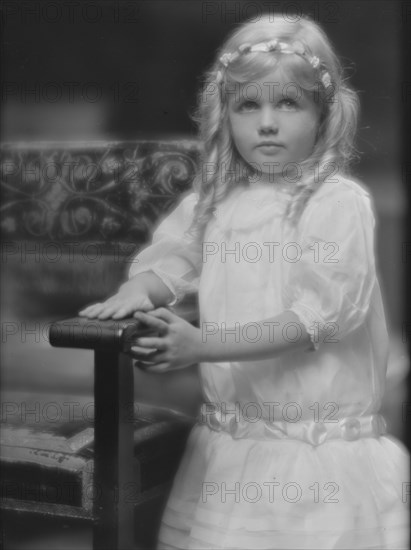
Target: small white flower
(326, 79)
(272, 44)
(225, 59)
(285, 48)
(315, 62)
(244, 47)
(260, 47)
(298, 47)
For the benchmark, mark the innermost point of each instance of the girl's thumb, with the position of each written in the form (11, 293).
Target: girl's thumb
(146, 305)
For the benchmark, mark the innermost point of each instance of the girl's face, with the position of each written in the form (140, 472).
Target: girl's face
(277, 110)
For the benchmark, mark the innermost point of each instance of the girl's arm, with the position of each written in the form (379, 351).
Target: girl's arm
(253, 341)
(172, 256)
(180, 344)
(158, 293)
(160, 274)
(144, 292)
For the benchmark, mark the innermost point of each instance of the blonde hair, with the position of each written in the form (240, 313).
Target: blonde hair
(221, 166)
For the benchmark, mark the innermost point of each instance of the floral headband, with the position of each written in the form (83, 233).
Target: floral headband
(276, 45)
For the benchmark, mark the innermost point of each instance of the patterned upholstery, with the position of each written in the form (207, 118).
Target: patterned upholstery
(106, 192)
(74, 214)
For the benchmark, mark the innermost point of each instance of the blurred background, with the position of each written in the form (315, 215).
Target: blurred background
(120, 70)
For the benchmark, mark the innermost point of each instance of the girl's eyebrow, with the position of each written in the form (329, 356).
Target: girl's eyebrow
(275, 100)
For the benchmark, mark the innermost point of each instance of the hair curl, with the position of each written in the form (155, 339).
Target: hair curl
(221, 166)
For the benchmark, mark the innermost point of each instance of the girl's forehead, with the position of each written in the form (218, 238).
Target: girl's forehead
(272, 85)
(277, 79)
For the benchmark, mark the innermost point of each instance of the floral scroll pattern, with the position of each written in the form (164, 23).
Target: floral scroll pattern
(104, 192)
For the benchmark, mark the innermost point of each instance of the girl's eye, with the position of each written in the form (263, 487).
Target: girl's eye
(287, 104)
(284, 104)
(248, 105)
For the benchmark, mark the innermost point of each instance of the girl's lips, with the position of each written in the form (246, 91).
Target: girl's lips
(269, 148)
(269, 144)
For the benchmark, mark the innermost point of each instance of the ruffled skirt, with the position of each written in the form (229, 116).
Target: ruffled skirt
(287, 494)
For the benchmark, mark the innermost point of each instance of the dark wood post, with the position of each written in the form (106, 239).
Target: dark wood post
(115, 476)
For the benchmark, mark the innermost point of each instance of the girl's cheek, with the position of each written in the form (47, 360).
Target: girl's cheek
(310, 125)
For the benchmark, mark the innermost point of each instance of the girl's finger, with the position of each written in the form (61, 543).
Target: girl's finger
(108, 311)
(163, 313)
(160, 368)
(142, 305)
(144, 352)
(152, 361)
(151, 320)
(151, 342)
(153, 355)
(90, 309)
(123, 311)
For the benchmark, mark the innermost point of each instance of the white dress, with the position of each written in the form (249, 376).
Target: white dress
(288, 452)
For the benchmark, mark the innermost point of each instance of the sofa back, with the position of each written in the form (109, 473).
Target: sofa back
(74, 214)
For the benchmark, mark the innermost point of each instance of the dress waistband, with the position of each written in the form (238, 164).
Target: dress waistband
(349, 428)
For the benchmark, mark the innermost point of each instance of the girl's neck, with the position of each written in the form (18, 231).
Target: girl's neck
(276, 181)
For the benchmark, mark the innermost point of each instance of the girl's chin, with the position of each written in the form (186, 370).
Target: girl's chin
(269, 177)
(288, 171)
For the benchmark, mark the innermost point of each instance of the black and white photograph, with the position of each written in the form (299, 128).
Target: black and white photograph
(205, 314)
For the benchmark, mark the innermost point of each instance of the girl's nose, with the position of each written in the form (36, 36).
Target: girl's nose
(268, 120)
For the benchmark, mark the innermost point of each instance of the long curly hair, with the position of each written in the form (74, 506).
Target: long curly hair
(221, 166)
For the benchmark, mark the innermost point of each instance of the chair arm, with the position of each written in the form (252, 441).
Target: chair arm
(112, 335)
(96, 334)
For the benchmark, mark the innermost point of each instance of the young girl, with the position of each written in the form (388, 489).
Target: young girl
(289, 449)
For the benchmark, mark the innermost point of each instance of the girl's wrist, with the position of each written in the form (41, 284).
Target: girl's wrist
(153, 287)
(206, 346)
(202, 348)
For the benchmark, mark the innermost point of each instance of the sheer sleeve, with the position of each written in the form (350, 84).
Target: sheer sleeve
(330, 286)
(174, 257)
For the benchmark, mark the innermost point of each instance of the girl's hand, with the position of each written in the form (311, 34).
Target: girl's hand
(128, 299)
(176, 347)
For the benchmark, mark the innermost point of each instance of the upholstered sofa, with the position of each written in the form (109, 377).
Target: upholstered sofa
(73, 217)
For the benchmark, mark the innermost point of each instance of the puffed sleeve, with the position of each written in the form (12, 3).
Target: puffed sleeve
(330, 285)
(174, 257)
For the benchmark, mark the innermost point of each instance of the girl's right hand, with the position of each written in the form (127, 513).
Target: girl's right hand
(128, 299)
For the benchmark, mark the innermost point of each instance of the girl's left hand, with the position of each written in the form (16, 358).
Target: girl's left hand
(177, 346)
